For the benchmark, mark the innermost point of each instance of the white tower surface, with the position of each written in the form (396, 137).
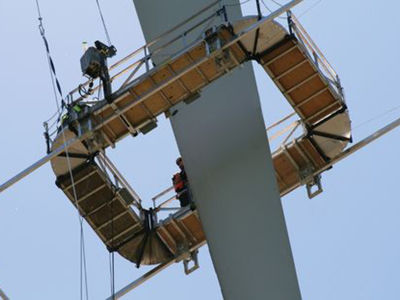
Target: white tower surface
(223, 142)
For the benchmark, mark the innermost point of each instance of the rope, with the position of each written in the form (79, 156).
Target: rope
(270, 10)
(51, 62)
(104, 23)
(379, 116)
(276, 2)
(57, 87)
(111, 205)
(111, 255)
(310, 8)
(265, 5)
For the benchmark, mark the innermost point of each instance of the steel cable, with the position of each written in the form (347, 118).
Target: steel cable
(57, 87)
(104, 23)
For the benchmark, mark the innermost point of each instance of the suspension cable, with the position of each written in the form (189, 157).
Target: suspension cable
(376, 117)
(48, 54)
(111, 255)
(310, 8)
(104, 23)
(276, 2)
(57, 87)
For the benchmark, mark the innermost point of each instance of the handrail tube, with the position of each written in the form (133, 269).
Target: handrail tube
(314, 46)
(281, 121)
(115, 171)
(182, 34)
(175, 197)
(284, 130)
(317, 57)
(133, 73)
(162, 193)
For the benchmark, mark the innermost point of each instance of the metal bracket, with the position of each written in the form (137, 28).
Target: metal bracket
(212, 40)
(187, 257)
(192, 258)
(223, 12)
(223, 60)
(290, 22)
(311, 181)
(75, 155)
(315, 182)
(330, 136)
(149, 126)
(192, 97)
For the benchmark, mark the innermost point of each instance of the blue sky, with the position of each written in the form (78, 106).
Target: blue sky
(345, 242)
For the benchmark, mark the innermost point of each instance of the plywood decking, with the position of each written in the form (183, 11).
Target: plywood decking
(301, 81)
(101, 204)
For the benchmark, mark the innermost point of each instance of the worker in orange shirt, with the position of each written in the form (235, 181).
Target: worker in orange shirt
(181, 184)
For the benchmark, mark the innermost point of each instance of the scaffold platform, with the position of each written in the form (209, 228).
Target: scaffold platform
(289, 57)
(150, 86)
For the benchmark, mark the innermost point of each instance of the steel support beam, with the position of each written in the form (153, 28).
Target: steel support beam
(38, 164)
(141, 280)
(122, 292)
(224, 146)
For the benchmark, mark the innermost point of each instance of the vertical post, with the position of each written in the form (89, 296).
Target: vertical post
(339, 86)
(315, 56)
(290, 21)
(225, 13)
(258, 29)
(47, 136)
(146, 59)
(259, 9)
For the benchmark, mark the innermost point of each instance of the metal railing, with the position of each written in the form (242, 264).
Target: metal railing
(163, 206)
(316, 54)
(110, 168)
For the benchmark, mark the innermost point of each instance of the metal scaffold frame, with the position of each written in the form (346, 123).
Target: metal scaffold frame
(133, 75)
